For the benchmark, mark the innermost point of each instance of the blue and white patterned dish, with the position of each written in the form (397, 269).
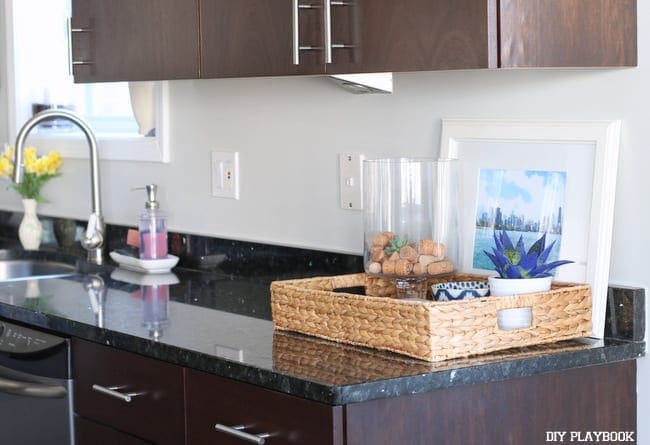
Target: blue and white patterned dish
(459, 290)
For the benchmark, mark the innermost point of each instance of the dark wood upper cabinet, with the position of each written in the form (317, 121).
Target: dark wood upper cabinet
(134, 40)
(412, 35)
(568, 33)
(256, 38)
(174, 39)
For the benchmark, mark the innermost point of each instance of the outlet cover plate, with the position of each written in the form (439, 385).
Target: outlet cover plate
(351, 181)
(225, 174)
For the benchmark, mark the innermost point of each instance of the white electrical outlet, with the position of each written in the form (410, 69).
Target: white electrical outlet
(351, 181)
(225, 174)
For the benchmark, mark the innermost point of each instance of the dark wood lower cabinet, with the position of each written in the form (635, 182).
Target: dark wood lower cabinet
(512, 412)
(176, 405)
(88, 432)
(213, 400)
(154, 408)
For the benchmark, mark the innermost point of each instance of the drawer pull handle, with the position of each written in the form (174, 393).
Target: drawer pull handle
(237, 431)
(112, 391)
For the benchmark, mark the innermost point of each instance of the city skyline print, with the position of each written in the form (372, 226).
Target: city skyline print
(523, 202)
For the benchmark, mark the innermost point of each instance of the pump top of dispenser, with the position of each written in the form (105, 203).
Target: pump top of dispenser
(152, 203)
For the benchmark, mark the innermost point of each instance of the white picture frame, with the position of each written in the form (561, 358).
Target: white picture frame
(586, 150)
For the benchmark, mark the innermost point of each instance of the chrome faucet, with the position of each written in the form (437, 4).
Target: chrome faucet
(93, 240)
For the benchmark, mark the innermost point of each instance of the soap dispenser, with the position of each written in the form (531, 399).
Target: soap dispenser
(153, 227)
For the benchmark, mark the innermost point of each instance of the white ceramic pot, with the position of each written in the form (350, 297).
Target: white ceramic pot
(515, 286)
(521, 317)
(30, 229)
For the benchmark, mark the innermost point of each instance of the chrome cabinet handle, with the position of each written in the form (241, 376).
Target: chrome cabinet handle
(296, 7)
(28, 389)
(327, 19)
(70, 60)
(296, 31)
(113, 392)
(69, 29)
(237, 431)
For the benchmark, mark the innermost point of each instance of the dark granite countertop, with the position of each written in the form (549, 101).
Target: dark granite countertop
(221, 323)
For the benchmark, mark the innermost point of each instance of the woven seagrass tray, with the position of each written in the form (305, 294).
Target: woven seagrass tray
(427, 330)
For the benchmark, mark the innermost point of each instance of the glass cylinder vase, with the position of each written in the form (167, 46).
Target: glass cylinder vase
(410, 221)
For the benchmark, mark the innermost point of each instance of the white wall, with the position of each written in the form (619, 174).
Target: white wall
(289, 132)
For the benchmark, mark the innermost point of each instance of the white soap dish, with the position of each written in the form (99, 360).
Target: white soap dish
(144, 279)
(162, 265)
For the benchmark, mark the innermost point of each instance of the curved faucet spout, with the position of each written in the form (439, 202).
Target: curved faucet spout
(94, 238)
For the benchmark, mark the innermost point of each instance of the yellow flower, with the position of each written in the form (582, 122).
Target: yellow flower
(40, 167)
(37, 171)
(31, 159)
(9, 152)
(6, 167)
(52, 162)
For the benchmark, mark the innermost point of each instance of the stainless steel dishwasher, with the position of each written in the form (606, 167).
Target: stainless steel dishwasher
(35, 387)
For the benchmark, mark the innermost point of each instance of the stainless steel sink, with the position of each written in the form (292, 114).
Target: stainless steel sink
(13, 270)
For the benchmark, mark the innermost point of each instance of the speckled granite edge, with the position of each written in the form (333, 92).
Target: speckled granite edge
(471, 374)
(492, 372)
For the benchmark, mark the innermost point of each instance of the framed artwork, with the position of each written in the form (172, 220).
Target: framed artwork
(534, 177)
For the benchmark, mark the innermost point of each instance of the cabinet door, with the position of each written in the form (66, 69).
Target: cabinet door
(91, 433)
(510, 412)
(412, 35)
(256, 38)
(213, 401)
(114, 40)
(155, 409)
(568, 33)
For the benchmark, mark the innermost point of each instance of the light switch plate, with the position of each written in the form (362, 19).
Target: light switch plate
(351, 181)
(225, 174)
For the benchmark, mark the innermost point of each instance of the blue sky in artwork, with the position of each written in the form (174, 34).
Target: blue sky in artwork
(533, 193)
(497, 184)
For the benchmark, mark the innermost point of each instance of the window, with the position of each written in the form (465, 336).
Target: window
(128, 117)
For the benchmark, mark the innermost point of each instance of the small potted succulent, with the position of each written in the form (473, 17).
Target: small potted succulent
(520, 271)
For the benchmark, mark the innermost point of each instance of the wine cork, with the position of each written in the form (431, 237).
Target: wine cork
(408, 253)
(428, 259)
(374, 267)
(388, 267)
(380, 240)
(403, 267)
(440, 267)
(419, 269)
(377, 254)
